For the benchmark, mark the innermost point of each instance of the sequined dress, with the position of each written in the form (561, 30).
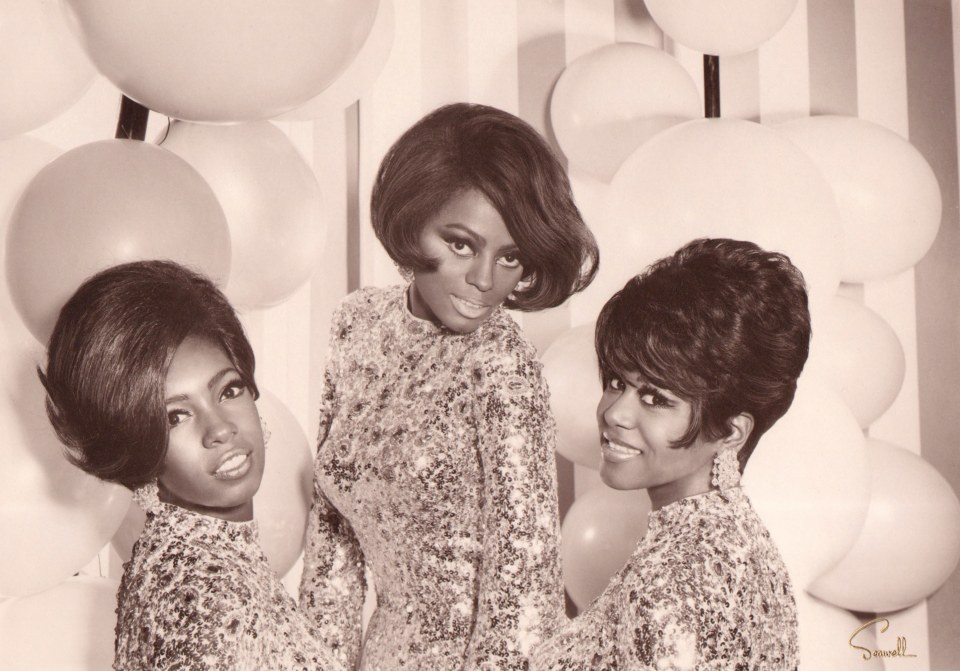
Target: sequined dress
(198, 594)
(705, 589)
(436, 472)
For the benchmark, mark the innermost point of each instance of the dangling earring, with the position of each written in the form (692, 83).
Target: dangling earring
(726, 470)
(265, 431)
(147, 497)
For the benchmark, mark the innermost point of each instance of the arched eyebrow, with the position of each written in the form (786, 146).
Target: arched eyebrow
(211, 384)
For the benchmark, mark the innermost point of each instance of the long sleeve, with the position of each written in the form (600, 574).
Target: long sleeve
(521, 599)
(332, 586)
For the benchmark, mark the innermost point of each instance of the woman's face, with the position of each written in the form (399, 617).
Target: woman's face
(478, 264)
(215, 454)
(638, 423)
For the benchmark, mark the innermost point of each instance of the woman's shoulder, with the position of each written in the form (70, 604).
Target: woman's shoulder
(367, 303)
(501, 335)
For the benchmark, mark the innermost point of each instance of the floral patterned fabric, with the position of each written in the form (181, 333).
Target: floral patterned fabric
(435, 472)
(198, 593)
(705, 589)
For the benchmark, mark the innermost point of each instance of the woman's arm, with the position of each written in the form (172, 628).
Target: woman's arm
(521, 592)
(332, 586)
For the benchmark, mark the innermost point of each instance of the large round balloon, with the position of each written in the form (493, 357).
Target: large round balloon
(43, 69)
(888, 194)
(222, 60)
(69, 627)
(285, 495)
(572, 373)
(106, 203)
(719, 178)
(54, 518)
(809, 482)
(281, 504)
(910, 541)
(611, 100)
(271, 200)
(721, 28)
(857, 352)
(359, 75)
(600, 532)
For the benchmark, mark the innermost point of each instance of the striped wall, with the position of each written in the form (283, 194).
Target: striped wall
(888, 61)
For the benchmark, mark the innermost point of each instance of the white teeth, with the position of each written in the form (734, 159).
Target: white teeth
(620, 449)
(232, 463)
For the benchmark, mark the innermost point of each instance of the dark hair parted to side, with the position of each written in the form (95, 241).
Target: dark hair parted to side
(108, 357)
(723, 324)
(465, 146)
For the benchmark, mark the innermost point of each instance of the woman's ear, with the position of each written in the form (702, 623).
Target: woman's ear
(740, 427)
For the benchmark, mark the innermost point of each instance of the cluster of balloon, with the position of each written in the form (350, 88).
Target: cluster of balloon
(69, 626)
(184, 59)
(848, 201)
(43, 69)
(283, 500)
(271, 201)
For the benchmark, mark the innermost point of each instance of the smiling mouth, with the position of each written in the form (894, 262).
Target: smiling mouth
(234, 466)
(613, 451)
(468, 308)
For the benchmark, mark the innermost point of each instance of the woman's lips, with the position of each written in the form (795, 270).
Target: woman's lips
(233, 466)
(467, 308)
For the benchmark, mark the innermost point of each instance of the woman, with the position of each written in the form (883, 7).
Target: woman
(149, 381)
(699, 356)
(435, 469)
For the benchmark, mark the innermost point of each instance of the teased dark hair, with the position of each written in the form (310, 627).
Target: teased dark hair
(108, 357)
(465, 146)
(721, 323)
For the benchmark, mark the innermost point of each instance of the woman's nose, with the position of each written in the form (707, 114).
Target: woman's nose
(480, 274)
(616, 412)
(218, 429)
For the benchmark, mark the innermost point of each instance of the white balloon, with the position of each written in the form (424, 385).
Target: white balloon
(573, 375)
(809, 481)
(271, 200)
(888, 194)
(611, 100)
(857, 352)
(724, 178)
(721, 28)
(222, 60)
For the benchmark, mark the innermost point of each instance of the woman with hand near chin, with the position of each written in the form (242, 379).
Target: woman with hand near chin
(699, 356)
(435, 470)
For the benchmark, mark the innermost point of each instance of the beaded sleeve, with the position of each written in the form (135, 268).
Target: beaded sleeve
(332, 586)
(520, 597)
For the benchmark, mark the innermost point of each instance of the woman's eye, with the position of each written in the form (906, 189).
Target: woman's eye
(654, 399)
(233, 390)
(509, 261)
(175, 417)
(616, 384)
(460, 247)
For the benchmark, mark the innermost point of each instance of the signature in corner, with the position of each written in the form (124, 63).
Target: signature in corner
(867, 653)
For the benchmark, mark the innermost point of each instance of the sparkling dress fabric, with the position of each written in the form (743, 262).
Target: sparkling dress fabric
(198, 593)
(705, 589)
(436, 473)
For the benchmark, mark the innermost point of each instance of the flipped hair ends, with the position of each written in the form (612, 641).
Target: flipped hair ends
(461, 147)
(108, 357)
(723, 324)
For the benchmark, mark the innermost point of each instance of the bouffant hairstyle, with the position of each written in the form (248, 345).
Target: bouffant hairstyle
(721, 323)
(108, 357)
(462, 147)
